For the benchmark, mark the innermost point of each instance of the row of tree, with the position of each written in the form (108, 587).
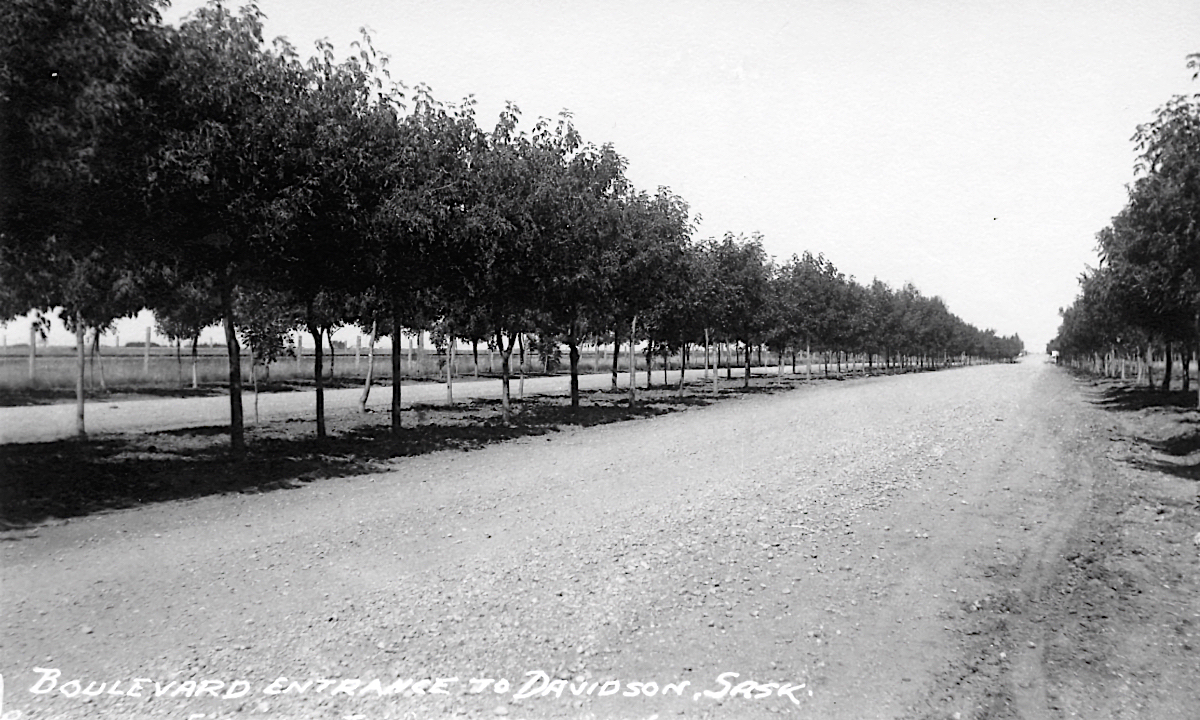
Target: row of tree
(1143, 301)
(216, 179)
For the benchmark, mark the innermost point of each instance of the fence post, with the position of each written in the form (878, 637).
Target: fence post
(357, 351)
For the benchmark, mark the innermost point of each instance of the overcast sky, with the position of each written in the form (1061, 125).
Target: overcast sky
(972, 148)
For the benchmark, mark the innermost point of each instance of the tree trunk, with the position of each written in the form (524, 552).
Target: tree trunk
(195, 361)
(254, 380)
(237, 430)
(1166, 381)
(573, 347)
(1198, 360)
(366, 393)
(505, 372)
(397, 371)
(450, 372)
(521, 365)
(332, 350)
(1185, 359)
(632, 364)
(1149, 367)
(649, 362)
(98, 361)
(179, 362)
(746, 384)
(616, 357)
(318, 376)
(80, 431)
(683, 363)
(475, 357)
(716, 378)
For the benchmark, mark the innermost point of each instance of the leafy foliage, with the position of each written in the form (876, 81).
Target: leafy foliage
(209, 176)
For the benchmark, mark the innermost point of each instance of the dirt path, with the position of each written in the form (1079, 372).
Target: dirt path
(42, 423)
(881, 548)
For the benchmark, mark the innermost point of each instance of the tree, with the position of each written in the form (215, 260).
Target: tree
(332, 152)
(426, 232)
(511, 205)
(216, 179)
(745, 272)
(73, 134)
(184, 308)
(650, 235)
(266, 319)
(1164, 214)
(1148, 285)
(580, 192)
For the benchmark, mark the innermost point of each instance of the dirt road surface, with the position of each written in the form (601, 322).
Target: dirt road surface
(922, 546)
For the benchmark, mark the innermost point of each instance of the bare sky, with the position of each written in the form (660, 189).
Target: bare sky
(972, 148)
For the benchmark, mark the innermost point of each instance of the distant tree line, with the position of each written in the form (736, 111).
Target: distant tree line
(214, 178)
(1143, 301)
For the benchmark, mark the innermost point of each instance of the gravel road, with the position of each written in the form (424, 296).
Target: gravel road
(828, 552)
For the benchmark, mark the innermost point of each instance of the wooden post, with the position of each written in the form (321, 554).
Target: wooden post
(146, 354)
(299, 350)
(357, 351)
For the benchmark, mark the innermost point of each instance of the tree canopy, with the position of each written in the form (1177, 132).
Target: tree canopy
(210, 176)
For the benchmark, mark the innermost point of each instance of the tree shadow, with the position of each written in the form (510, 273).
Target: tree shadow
(1183, 470)
(1181, 446)
(1125, 397)
(67, 478)
(1174, 410)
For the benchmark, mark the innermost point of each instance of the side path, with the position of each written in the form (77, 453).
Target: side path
(44, 423)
